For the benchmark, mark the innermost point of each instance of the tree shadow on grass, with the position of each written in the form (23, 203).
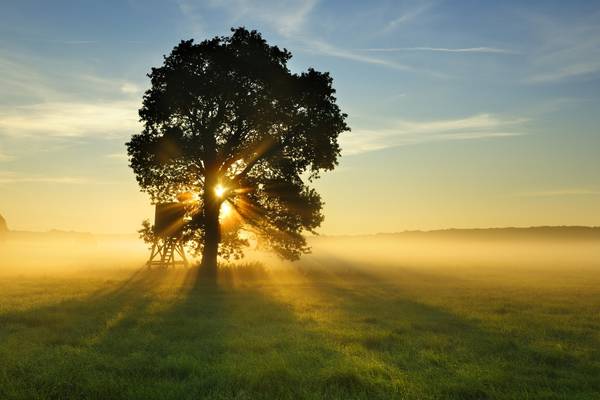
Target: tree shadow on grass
(233, 340)
(172, 334)
(87, 314)
(47, 352)
(444, 354)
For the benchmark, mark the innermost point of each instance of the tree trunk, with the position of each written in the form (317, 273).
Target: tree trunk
(212, 235)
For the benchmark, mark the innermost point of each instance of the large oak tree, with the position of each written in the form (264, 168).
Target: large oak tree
(227, 120)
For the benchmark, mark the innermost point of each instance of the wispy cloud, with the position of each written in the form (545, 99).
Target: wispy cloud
(565, 49)
(320, 47)
(117, 156)
(19, 78)
(130, 88)
(12, 178)
(113, 86)
(193, 16)
(53, 104)
(317, 46)
(28, 82)
(287, 17)
(290, 19)
(568, 71)
(482, 49)
(405, 132)
(406, 17)
(70, 119)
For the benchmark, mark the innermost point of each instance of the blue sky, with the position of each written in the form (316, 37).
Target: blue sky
(463, 113)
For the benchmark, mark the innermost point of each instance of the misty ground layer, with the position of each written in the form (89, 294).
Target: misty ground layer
(328, 329)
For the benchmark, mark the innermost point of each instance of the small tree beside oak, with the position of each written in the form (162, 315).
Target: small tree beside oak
(226, 120)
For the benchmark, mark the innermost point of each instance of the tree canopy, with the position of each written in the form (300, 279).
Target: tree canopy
(226, 120)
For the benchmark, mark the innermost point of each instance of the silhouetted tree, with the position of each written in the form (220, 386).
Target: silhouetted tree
(228, 113)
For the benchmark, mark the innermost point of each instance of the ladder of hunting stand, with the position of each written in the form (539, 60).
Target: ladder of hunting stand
(163, 254)
(167, 256)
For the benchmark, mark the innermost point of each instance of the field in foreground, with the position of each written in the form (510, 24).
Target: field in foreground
(326, 328)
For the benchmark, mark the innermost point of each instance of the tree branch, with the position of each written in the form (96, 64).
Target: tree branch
(210, 140)
(266, 149)
(234, 141)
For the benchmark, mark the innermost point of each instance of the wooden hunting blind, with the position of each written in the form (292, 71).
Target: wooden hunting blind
(167, 249)
(168, 219)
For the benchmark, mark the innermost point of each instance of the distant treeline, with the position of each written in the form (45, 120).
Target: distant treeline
(558, 233)
(531, 233)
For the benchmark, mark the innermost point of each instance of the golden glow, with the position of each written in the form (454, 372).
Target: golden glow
(226, 210)
(220, 190)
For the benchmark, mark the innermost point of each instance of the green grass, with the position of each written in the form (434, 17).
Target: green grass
(316, 333)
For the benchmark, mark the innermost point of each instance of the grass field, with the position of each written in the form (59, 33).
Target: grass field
(326, 328)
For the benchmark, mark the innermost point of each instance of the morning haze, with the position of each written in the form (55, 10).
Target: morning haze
(457, 121)
(299, 199)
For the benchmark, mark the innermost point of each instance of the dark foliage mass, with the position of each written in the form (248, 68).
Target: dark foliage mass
(228, 111)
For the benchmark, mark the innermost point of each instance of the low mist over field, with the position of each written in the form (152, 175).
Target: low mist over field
(538, 248)
(456, 314)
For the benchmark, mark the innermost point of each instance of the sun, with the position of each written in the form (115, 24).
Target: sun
(220, 190)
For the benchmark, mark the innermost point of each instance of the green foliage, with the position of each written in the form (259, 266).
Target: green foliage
(147, 233)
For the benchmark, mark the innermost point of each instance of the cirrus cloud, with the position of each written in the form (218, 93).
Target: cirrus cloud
(70, 119)
(406, 132)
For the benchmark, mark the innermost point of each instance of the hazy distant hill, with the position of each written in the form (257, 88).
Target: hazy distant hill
(530, 233)
(559, 233)
(53, 235)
